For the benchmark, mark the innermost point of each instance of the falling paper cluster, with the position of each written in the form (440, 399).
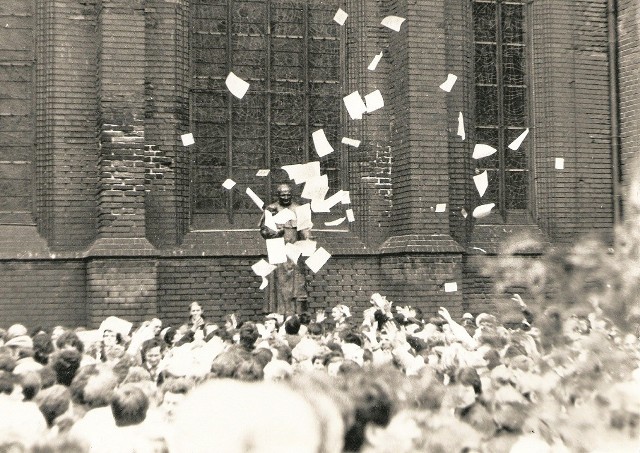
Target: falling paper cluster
(316, 185)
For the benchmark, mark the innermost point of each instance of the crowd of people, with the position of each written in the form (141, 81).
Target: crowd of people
(391, 382)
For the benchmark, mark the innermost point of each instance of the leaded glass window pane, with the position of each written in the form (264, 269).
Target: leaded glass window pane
(501, 96)
(290, 53)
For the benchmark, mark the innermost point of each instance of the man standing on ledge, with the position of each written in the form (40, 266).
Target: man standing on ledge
(287, 292)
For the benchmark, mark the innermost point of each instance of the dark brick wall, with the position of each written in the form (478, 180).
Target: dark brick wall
(42, 293)
(225, 285)
(121, 287)
(418, 281)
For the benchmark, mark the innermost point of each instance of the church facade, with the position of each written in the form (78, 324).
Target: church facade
(105, 211)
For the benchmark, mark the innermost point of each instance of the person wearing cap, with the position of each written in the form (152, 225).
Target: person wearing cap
(21, 348)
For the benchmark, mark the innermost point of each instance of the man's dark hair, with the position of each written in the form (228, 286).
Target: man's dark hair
(248, 335)
(129, 405)
(42, 347)
(292, 325)
(70, 338)
(315, 329)
(353, 337)
(65, 363)
(262, 356)
(284, 351)
(305, 318)
(150, 344)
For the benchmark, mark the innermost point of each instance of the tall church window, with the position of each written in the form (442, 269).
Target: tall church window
(501, 97)
(290, 51)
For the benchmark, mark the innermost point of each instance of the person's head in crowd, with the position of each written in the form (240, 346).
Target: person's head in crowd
(185, 336)
(100, 388)
(230, 322)
(277, 370)
(20, 346)
(168, 334)
(305, 318)
(66, 363)
(7, 361)
(7, 383)
(492, 358)
(353, 337)
(248, 336)
(470, 377)
(340, 313)
(150, 389)
(172, 393)
(137, 374)
(292, 325)
(195, 313)
(47, 376)
(55, 334)
(3, 336)
(42, 347)
(272, 322)
(282, 351)
(31, 383)
(262, 356)
(490, 337)
(249, 370)
(79, 383)
(151, 352)
(156, 326)
(315, 330)
(348, 367)
(121, 366)
(70, 340)
(226, 363)
(129, 405)
(16, 330)
(110, 338)
(373, 402)
(438, 322)
(53, 402)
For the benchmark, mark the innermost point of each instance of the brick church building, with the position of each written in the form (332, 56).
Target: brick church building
(104, 211)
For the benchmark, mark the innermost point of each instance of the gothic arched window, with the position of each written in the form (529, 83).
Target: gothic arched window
(501, 99)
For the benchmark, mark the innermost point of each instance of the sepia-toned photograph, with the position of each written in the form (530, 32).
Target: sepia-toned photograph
(319, 226)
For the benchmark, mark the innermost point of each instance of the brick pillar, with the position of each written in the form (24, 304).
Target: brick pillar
(121, 204)
(66, 145)
(420, 172)
(119, 281)
(420, 237)
(167, 117)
